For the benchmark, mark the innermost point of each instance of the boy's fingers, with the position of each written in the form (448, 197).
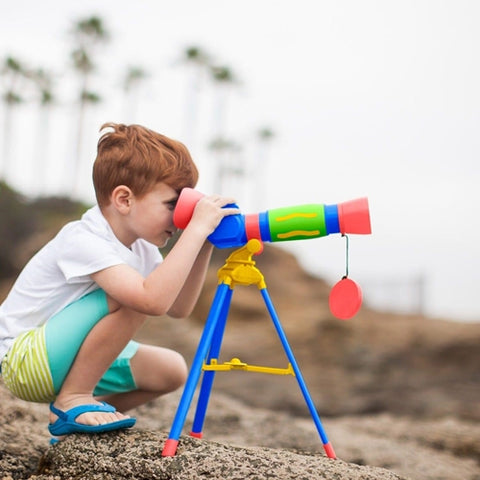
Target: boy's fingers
(230, 211)
(227, 201)
(220, 199)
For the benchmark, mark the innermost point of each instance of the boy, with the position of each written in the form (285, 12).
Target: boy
(66, 327)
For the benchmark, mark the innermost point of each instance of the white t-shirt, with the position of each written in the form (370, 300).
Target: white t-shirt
(59, 273)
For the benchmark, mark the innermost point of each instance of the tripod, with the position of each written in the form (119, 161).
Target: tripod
(239, 269)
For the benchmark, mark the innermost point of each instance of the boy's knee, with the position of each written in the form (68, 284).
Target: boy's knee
(159, 369)
(181, 370)
(175, 375)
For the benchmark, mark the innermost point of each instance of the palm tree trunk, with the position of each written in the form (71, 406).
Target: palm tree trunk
(77, 160)
(40, 170)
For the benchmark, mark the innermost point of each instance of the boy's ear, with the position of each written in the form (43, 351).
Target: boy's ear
(122, 198)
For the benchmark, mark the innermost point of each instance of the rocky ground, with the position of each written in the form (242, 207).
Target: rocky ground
(398, 396)
(240, 442)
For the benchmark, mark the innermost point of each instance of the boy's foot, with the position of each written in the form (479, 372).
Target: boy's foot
(68, 402)
(92, 417)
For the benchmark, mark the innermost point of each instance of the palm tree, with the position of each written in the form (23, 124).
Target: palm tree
(12, 74)
(223, 79)
(198, 62)
(44, 83)
(228, 165)
(265, 134)
(87, 33)
(264, 137)
(131, 85)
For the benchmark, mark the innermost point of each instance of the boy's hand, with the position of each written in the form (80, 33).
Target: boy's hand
(209, 212)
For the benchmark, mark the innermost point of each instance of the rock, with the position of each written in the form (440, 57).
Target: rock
(135, 455)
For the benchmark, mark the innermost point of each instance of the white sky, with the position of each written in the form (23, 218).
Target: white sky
(370, 98)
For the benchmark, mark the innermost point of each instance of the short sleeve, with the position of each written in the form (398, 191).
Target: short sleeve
(84, 254)
(148, 255)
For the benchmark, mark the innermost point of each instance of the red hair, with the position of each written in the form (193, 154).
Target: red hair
(139, 158)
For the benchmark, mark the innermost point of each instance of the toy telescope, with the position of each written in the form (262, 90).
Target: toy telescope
(248, 232)
(280, 224)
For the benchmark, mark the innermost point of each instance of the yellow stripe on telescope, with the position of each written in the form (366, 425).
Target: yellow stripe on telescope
(295, 215)
(299, 233)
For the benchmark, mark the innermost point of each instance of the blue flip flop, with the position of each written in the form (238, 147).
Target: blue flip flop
(66, 423)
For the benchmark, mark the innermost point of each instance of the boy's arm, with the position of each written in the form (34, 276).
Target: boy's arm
(183, 268)
(188, 296)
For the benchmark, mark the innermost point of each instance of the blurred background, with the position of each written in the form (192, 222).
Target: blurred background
(279, 104)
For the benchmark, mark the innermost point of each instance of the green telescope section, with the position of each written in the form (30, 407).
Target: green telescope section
(297, 223)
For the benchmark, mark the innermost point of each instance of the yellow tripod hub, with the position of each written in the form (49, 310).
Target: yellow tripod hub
(240, 269)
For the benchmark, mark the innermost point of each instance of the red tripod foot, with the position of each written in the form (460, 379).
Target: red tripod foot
(170, 448)
(329, 450)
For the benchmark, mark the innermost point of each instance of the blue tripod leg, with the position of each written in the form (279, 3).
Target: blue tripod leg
(298, 374)
(171, 443)
(209, 375)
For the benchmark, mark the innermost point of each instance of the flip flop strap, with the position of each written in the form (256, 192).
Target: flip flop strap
(76, 411)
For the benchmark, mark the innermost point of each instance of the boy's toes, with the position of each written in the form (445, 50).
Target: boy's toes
(88, 418)
(100, 418)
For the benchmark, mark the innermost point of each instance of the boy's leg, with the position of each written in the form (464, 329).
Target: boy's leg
(141, 372)
(156, 371)
(101, 346)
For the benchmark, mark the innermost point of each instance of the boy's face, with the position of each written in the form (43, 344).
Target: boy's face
(151, 216)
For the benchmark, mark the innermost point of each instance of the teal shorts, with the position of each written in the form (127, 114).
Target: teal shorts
(36, 365)
(65, 334)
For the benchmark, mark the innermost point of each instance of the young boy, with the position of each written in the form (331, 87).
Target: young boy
(66, 327)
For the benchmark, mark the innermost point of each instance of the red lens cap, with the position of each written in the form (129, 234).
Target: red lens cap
(345, 299)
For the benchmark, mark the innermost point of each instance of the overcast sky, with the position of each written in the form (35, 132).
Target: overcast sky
(366, 98)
